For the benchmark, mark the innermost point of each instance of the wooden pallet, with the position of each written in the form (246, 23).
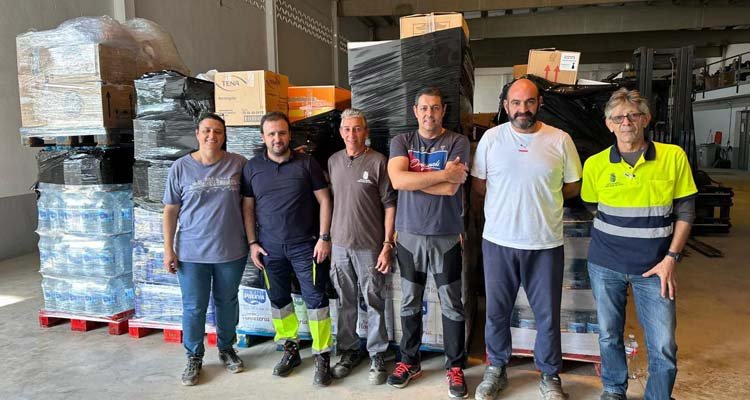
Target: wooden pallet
(172, 332)
(77, 141)
(117, 324)
(596, 360)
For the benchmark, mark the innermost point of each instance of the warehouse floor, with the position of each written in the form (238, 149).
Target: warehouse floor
(55, 363)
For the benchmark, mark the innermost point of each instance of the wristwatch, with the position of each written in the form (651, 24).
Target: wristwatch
(677, 256)
(325, 237)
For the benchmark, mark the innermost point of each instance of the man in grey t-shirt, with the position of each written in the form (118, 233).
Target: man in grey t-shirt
(362, 234)
(428, 167)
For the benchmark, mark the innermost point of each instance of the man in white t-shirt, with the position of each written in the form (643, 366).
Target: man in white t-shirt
(525, 169)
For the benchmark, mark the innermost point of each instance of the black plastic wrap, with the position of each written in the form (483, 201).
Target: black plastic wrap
(163, 139)
(149, 180)
(385, 77)
(576, 109)
(320, 135)
(169, 95)
(244, 140)
(86, 166)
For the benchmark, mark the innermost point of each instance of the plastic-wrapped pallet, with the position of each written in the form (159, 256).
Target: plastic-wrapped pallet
(320, 135)
(244, 140)
(84, 248)
(163, 304)
(169, 95)
(163, 139)
(578, 323)
(86, 166)
(385, 77)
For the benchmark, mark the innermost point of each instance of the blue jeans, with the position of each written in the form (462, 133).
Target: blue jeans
(658, 319)
(196, 281)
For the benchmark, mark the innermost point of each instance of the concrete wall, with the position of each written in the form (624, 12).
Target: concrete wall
(17, 163)
(228, 35)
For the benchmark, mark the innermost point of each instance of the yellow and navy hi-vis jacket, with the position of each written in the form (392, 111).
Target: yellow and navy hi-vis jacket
(634, 222)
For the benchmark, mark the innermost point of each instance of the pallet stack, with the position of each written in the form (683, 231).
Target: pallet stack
(76, 95)
(578, 323)
(168, 106)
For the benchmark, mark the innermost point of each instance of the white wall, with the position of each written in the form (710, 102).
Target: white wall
(227, 35)
(720, 116)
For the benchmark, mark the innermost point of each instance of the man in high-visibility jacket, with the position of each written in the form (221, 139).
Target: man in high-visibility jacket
(280, 188)
(645, 195)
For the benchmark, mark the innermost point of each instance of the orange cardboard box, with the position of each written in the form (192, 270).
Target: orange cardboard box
(519, 70)
(555, 65)
(307, 101)
(420, 24)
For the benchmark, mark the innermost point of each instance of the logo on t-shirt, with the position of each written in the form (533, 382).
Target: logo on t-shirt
(365, 178)
(420, 161)
(522, 148)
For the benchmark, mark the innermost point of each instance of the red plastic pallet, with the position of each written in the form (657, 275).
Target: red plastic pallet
(117, 324)
(172, 332)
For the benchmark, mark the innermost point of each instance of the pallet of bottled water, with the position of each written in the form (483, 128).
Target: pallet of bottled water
(85, 234)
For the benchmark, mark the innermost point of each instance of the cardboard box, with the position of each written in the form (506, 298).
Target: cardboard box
(243, 97)
(420, 24)
(308, 101)
(484, 119)
(78, 63)
(520, 70)
(554, 65)
(75, 105)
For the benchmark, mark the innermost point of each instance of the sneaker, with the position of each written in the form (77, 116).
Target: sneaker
(231, 360)
(322, 370)
(456, 384)
(494, 381)
(403, 373)
(377, 375)
(289, 360)
(550, 388)
(349, 360)
(192, 370)
(612, 396)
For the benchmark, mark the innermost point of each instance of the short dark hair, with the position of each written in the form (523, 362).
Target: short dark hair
(429, 91)
(213, 116)
(274, 116)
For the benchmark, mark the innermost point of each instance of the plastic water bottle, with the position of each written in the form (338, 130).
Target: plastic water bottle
(109, 299)
(101, 218)
(124, 204)
(62, 295)
(94, 291)
(49, 287)
(55, 210)
(631, 353)
(78, 291)
(73, 212)
(46, 248)
(43, 207)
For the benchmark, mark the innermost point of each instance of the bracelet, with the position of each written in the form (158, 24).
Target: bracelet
(389, 243)
(252, 242)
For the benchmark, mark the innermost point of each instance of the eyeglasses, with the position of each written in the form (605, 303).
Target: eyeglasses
(632, 117)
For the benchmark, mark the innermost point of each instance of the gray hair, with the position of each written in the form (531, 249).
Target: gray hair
(354, 113)
(622, 96)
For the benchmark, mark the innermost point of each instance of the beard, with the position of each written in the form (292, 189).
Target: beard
(523, 124)
(278, 151)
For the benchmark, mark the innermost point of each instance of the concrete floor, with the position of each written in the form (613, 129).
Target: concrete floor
(55, 363)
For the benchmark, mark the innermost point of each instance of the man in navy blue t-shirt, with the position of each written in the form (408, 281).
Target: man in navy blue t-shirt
(280, 188)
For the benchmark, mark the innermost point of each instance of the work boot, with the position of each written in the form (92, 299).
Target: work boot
(231, 360)
(494, 381)
(192, 370)
(612, 396)
(403, 374)
(322, 370)
(550, 388)
(456, 383)
(349, 360)
(289, 360)
(377, 375)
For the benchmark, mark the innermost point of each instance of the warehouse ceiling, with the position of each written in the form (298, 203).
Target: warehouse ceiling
(502, 31)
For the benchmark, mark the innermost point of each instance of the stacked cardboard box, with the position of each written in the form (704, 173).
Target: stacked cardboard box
(74, 89)
(242, 98)
(308, 101)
